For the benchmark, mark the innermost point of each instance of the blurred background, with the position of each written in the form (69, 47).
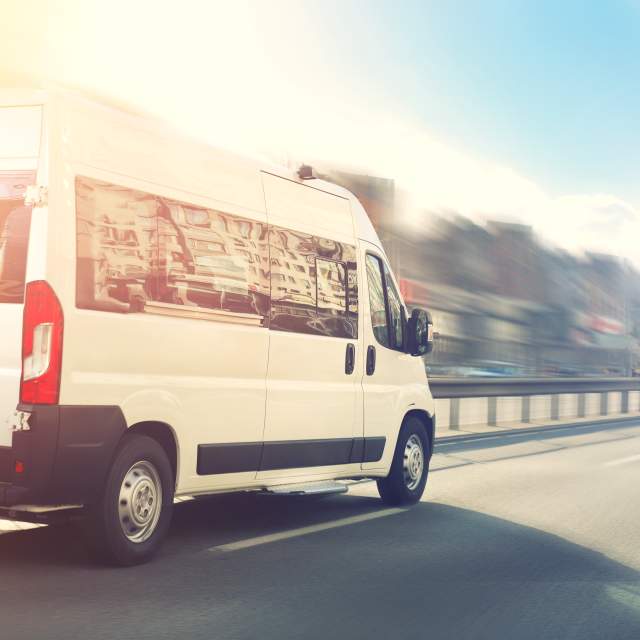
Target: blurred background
(505, 302)
(494, 144)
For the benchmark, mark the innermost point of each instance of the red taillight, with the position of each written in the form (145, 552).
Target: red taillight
(42, 328)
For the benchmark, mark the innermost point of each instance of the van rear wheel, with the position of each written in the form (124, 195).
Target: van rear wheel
(410, 466)
(127, 525)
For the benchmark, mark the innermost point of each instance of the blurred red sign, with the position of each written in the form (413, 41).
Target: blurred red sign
(602, 324)
(414, 293)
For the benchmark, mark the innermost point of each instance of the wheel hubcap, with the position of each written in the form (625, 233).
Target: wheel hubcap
(140, 501)
(413, 462)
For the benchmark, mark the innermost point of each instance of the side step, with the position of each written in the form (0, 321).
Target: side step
(325, 487)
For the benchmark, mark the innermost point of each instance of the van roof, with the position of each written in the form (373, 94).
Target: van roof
(154, 126)
(17, 97)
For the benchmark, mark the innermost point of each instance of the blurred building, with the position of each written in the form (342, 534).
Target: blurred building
(502, 302)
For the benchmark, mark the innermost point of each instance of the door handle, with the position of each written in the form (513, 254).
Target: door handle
(371, 360)
(350, 359)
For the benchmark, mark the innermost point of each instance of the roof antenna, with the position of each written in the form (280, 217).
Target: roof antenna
(306, 172)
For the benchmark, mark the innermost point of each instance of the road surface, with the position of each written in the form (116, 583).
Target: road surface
(527, 536)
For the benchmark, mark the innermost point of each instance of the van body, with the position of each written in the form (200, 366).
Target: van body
(243, 319)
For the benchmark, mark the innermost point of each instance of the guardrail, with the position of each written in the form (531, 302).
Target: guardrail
(498, 401)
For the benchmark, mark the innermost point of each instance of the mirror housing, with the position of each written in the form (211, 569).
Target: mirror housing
(419, 333)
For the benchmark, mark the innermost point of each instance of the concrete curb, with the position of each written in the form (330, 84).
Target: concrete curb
(545, 427)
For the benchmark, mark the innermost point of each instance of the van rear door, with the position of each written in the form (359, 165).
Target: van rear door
(20, 130)
(389, 371)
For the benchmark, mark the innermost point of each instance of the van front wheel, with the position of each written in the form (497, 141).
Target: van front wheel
(127, 525)
(410, 466)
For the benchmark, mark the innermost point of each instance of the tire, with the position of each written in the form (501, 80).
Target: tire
(409, 468)
(127, 525)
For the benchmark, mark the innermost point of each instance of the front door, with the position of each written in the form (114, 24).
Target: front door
(314, 369)
(387, 368)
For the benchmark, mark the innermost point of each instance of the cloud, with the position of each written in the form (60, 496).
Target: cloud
(266, 83)
(594, 222)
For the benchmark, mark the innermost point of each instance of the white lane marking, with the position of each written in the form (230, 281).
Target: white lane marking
(303, 531)
(9, 526)
(619, 461)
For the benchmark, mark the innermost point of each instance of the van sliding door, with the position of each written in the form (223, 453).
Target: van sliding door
(313, 417)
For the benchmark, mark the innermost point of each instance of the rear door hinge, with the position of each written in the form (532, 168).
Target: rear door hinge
(19, 421)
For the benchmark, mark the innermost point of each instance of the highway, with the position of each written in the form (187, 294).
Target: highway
(525, 536)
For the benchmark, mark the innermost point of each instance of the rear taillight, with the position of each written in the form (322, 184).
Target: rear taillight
(42, 328)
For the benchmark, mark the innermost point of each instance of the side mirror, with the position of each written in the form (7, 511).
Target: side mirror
(419, 333)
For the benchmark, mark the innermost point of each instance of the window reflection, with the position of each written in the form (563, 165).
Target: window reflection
(135, 249)
(212, 259)
(15, 222)
(117, 247)
(310, 289)
(331, 286)
(14, 240)
(377, 300)
(293, 302)
(141, 252)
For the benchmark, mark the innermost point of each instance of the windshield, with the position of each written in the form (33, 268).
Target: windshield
(15, 221)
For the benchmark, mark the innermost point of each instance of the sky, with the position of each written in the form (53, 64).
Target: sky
(500, 109)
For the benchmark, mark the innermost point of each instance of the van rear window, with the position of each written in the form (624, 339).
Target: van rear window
(15, 222)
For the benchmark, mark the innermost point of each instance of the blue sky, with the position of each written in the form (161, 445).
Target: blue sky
(549, 88)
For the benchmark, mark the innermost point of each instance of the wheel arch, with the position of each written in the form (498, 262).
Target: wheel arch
(427, 420)
(164, 435)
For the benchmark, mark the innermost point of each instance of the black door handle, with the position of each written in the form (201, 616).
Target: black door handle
(371, 360)
(350, 359)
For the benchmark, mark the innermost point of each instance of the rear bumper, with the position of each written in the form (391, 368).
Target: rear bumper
(65, 455)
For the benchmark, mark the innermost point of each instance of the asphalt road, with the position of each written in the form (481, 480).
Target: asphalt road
(534, 536)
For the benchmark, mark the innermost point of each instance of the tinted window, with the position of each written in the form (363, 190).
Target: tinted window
(14, 240)
(331, 278)
(117, 246)
(15, 222)
(138, 252)
(313, 285)
(212, 259)
(377, 300)
(352, 292)
(293, 281)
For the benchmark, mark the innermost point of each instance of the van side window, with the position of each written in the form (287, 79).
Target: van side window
(15, 224)
(313, 285)
(331, 286)
(387, 317)
(377, 302)
(117, 250)
(140, 252)
(212, 260)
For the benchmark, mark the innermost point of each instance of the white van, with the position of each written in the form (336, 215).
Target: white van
(177, 321)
